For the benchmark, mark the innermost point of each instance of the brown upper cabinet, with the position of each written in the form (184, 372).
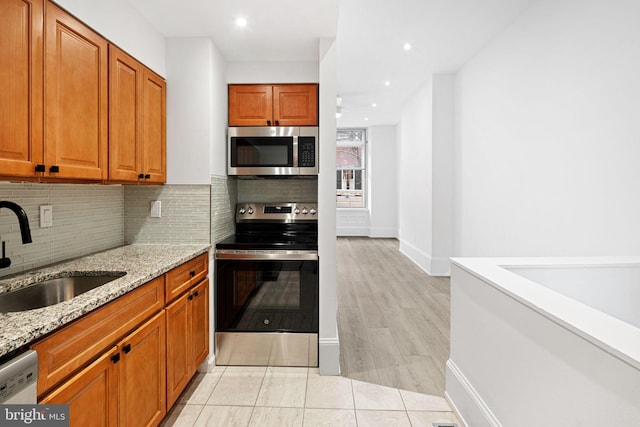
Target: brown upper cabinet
(273, 105)
(137, 121)
(20, 87)
(54, 81)
(75, 98)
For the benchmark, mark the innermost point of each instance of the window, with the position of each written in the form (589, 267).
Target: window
(351, 172)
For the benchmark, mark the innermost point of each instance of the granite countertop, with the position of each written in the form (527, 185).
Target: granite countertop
(142, 263)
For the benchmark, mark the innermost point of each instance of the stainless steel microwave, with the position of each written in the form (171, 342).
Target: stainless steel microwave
(278, 150)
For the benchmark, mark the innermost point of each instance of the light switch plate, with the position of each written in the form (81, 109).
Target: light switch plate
(46, 216)
(156, 209)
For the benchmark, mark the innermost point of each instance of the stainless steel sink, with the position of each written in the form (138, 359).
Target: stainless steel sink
(54, 290)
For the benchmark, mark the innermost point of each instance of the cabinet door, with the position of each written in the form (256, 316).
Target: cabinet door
(295, 105)
(187, 338)
(75, 118)
(91, 394)
(125, 116)
(154, 134)
(250, 105)
(199, 323)
(20, 86)
(142, 396)
(178, 363)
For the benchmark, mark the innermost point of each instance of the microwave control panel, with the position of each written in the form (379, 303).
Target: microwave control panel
(306, 151)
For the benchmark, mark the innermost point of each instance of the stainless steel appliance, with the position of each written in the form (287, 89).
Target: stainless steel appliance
(279, 151)
(19, 379)
(266, 291)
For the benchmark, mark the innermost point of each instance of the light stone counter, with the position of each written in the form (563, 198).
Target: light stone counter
(142, 263)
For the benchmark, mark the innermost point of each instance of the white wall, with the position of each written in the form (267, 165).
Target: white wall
(442, 178)
(547, 142)
(415, 178)
(273, 72)
(189, 110)
(426, 176)
(329, 345)
(383, 181)
(219, 114)
(123, 25)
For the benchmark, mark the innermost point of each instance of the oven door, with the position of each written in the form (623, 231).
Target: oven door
(266, 308)
(267, 292)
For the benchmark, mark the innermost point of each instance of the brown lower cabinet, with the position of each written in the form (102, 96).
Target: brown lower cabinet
(187, 338)
(126, 363)
(125, 386)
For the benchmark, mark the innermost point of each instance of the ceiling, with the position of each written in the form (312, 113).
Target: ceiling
(370, 36)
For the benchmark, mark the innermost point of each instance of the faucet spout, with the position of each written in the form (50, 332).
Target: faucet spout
(25, 231)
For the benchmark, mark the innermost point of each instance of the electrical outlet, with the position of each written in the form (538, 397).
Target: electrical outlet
(156, 209)
(46, 216)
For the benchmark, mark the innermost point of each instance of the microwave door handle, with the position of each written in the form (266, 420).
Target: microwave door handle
(295, 151)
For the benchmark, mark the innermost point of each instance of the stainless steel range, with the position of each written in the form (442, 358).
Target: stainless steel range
(266, 293)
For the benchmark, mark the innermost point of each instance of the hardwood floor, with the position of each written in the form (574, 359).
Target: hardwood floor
(393, 318)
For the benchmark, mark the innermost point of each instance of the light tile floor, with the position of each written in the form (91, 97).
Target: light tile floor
(273, 396)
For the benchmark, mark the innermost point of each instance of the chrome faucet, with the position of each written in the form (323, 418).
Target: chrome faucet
(25, 231)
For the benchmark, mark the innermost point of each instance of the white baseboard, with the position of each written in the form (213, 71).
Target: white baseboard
(329, 356)
(352, 231)
(383, 232)
(465, 400)
(432, 266)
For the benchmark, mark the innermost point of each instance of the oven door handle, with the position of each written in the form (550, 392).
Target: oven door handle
(267, 255)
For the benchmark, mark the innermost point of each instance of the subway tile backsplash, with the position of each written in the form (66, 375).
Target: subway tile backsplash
(278, 190)
(224, 196)
(186, 214)
(86, 219)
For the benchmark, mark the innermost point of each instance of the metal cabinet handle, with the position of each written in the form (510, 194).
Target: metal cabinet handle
(40, 168)
(126, 349)
(54, 169)
(141, 176)
(115, 358)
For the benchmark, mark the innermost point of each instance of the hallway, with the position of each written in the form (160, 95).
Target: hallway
(393, 319)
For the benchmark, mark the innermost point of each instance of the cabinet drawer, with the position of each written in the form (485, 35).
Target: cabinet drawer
(76, 344)
(183, 277)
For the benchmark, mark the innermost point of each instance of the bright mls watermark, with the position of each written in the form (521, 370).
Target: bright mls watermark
(34, 415)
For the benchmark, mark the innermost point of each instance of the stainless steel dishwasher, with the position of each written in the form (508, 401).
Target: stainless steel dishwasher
(19, 379)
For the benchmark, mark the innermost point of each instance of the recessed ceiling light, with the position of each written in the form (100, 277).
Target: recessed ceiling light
(407, 46)
(241, 22)
(387, 83)
(374, 105)
(366, 119)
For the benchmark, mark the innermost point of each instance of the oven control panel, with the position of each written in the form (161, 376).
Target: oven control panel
(287, 211)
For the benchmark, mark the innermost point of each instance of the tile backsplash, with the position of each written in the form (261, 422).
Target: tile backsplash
(224, 196)
(186, 216)
(278, 190)
(86, 218)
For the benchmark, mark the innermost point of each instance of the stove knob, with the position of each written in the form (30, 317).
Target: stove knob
(305, 211)
(296, 211)
(242, 211)
(250, 211)
(313, 211)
